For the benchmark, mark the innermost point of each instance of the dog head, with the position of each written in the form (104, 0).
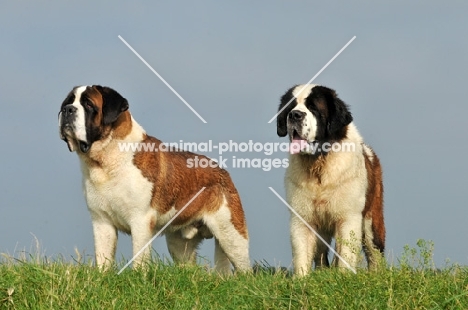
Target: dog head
(88, 114)
(312, 113)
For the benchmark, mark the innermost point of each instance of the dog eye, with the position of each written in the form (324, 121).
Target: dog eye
(88, 106)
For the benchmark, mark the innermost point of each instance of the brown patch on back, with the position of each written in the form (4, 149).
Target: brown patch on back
(174, 184)
(374, 200)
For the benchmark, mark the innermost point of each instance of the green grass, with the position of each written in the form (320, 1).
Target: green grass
(414, 284)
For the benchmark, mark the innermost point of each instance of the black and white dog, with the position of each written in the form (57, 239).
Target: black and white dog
(334, 180)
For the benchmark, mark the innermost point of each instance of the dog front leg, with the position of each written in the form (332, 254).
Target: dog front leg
(105, 242)
(304, 244)
(349, 241)
(141, 235)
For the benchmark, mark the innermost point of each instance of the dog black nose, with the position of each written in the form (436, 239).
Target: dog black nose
(69, 110)
(296, 115)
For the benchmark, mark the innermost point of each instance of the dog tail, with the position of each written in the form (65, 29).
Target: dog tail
(374, 226)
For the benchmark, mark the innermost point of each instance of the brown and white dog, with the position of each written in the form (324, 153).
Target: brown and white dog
(138, 192)
(334, 180)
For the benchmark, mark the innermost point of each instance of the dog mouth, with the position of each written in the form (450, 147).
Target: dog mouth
(298, 144)
(84, 147)
(71, 143)
(67, 135)
(295, 136)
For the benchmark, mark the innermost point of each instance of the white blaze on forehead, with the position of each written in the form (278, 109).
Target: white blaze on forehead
(301, 107)
(309, 124)
(79, 124)
(301, 92)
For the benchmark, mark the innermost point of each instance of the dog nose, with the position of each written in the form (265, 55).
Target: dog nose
(296, 115)
(69, 110)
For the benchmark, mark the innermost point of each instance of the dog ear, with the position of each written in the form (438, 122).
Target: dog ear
(339, 114)
(282, 118)
(113, 104)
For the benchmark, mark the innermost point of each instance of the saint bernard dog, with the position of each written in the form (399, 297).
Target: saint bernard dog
(138, 192)
(333, 181)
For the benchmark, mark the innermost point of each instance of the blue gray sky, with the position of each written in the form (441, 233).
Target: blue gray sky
(404, 77)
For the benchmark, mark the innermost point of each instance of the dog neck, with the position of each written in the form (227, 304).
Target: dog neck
(103, 153)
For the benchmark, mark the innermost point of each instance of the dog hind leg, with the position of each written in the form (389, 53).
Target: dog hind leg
(230, 242)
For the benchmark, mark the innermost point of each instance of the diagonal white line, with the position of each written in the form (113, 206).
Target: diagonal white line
(162, 79)
(313, 78)
(313, 230)
(161, 230)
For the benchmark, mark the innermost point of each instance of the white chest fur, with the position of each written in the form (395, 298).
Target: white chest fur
(336, 190)
(116, 190)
